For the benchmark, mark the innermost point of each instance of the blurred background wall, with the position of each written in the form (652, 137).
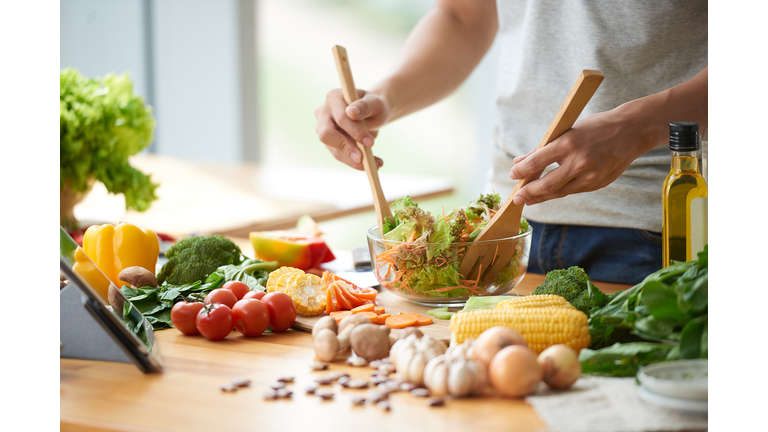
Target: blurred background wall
(239, 80)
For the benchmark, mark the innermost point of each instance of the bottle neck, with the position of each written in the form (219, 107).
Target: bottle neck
(685, 161)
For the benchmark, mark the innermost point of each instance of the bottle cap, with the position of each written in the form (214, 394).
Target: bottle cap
(684, 136)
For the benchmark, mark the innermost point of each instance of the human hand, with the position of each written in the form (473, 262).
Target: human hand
(594, 153)
(339, 129)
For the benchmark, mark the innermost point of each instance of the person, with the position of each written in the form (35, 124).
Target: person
(597, 204)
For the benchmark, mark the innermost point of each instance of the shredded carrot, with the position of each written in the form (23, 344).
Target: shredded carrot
(494, 254)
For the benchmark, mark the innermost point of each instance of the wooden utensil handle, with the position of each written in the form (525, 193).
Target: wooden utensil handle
(369, 163)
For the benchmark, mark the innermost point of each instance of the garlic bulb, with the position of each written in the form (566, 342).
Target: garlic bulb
(411, 355)
(454, 374)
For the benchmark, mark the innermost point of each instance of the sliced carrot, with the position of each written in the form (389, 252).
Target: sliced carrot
(340, 315)
(364, 308)
(378, 310)
(370, 315)
(414, 314)
(329, 307)
(400, 321)
(381, 319)
(340, 298)
(422, 320)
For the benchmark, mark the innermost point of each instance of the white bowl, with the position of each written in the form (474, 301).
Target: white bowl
(690, 405)
(683, 379)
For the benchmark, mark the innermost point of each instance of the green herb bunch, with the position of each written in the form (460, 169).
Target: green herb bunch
(102, 123)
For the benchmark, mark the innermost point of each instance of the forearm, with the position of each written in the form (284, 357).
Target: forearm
(440, 53)
(687, 101)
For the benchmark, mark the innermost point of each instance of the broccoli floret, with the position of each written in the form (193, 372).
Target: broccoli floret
(194, 258)
(574, 285)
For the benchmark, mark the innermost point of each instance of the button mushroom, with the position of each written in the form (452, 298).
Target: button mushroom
(370, 341)
(138, 277)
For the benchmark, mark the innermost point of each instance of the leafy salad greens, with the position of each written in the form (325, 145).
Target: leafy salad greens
(425, 250)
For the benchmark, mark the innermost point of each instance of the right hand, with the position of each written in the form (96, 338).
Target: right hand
(338, 127)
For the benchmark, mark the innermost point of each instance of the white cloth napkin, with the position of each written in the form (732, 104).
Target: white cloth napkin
(602, 404)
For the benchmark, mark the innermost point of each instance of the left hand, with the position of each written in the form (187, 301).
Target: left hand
(591, 155)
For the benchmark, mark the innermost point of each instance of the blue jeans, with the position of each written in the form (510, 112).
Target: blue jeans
(618, 255)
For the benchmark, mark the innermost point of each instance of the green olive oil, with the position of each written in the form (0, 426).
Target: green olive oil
(684, 196)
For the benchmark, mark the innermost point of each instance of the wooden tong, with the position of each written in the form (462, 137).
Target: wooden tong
(485, 261)
(380, 204)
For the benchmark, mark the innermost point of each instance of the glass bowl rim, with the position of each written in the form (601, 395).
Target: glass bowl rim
(368, 234)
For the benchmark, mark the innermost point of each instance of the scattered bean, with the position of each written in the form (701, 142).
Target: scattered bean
(420, 392)
(323, 380)
(384, 405)
(324, 394)
(378, 379)
(357, 361)
(386, 360)
(228, 388)
(358, 400)
(284, 393)
(436, 401)
(277, 385)
(270, 394)
(311, 389)
(376, 396)
(333, 376)
(357, 384)
(406, 386)
(389, 387)
(377, 372)
(286, 379)
(241, 382)
(375, 364)
(344, 381)
(386, 368)
(318, 366)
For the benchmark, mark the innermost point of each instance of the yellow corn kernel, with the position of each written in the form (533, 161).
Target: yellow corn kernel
(543, 300)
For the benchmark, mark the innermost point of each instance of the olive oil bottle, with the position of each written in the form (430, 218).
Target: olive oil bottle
(684, 197)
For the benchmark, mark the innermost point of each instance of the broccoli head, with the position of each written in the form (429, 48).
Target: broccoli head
(574, 285)
(194, 258)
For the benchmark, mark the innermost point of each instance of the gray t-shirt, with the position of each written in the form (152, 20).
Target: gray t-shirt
(642, 47)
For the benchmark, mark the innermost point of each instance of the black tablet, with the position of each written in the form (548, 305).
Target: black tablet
(119, 319)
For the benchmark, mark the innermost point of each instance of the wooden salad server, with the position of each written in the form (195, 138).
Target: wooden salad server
(380, 204)
(485, 261)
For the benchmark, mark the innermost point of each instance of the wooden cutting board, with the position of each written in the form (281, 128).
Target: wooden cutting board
(439, 329)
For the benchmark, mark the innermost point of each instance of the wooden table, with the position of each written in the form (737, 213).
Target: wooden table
(235, 198)
(116, 396)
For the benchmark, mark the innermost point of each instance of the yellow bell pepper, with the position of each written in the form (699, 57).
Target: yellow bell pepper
(87, 271)
(114, 248)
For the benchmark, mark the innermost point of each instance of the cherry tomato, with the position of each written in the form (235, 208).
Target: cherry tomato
(215, 321)
(221, 295)
(239, 289)
(250, 316)
(184, 315)
(255, 294)
(282, 311)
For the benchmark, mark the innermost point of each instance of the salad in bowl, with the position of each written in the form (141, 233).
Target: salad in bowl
(419, 255)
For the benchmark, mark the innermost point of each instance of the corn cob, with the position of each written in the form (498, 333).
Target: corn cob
(307, 291)
(543, 322)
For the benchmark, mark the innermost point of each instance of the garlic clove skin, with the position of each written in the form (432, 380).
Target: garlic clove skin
(416, 369)
(460, 380)
(438, 378)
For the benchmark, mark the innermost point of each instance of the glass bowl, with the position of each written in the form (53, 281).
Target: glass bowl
(406, 270)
